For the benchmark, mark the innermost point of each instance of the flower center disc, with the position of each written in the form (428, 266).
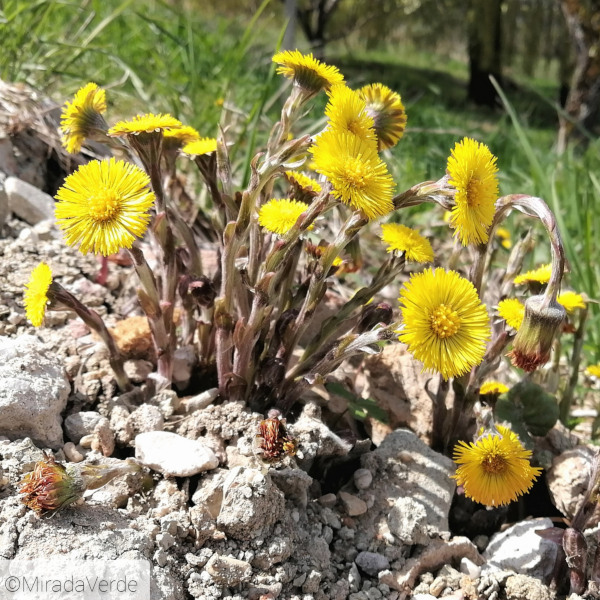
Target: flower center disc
(474, 192)
(494, 463)
(445, 322)
(103, 206)
(355, 173)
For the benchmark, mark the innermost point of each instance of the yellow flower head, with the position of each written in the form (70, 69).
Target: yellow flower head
(36, 294)
(387, 110)
(148, 123)
(512, 311)
(104, 206)
(303, 186)
(306, 71)
(504, 235)
(200, 146)
(593, 370)
(82, 116)
(472, 170)
(400, 238)
(357, 175)
(280, 215)
(540, 275)
(445, 324)
(493, 387)
(182, 136)
(347, 111)
(495, 469)
(571, 301)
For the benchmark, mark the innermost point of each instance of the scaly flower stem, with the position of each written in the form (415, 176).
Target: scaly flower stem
(93, 320)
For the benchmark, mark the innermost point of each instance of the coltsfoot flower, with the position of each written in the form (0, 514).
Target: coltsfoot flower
(512, 310)
(571, 301)
(400, 238)
(104, 206)
(358, 176)
(200, 147)
(387, 110)
(273, 441)
(148, 123)
(347, 111)
(503, 235)
(306, 71)
(280, 215)
(495, 469)
(181, 136)
(36, 294)
(473, 172)
(540, 275)
(445, 325)
(593, 370)
(493, 387)
(303, 187)
(82, 117)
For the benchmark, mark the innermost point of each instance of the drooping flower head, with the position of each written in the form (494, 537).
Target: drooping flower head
(571, 301)
(347, 111)
(493, 387)
(306, 71)
(473, 172)
(446, 326)
(387, 110)
(303, 187)
(280, 215)
(540, 275)
(200, 146)
(104, 206)
(400, 238)
(359, 178)
(36, 294)
(81, 117)
(512, 310)
(495, 469)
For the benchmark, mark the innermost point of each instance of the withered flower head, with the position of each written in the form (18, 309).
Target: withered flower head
(273, 440)
(373, 314)
(532, 345)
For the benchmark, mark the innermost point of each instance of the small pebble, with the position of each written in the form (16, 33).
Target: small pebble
(72, 453)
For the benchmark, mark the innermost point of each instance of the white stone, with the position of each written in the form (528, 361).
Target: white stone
(33, 392)
(173, 455)
(28, 202)
(407, 520)
(228, 571)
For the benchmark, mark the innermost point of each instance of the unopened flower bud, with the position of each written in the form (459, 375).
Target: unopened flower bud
(575, 548)
(273, 441)
(532, 345)
(374, 314)
(203, 291)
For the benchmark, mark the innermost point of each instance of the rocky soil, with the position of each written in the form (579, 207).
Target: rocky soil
(362, 512)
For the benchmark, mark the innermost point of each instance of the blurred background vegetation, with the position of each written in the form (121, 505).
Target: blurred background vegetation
(209, 63)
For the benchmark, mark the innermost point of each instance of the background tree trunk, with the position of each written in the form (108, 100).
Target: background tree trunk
(583, 100)
(484, 19)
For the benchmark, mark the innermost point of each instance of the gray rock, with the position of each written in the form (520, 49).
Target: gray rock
(252, 503)
(33, 392)
(3, 203)
(353, 505)
(28, 202)
(363, 479)
(294, 483)
(79, 424)
(521, 587)
(372, 563)
(228, 571)
(521, 550)
(146, 418)
(173, 455)
(407, 520)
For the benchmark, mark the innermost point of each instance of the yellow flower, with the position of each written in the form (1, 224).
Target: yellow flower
(495, 469)
(539, 275)
(571, 300)
(82, 116)
(347, 111)
(387, 110)
(200, 146)
(400, 238)
(303, 183)
(104, 206)
(280, 215)
(512, 311)
(307, 72)
(472, 170)
(504, 235)
(182, 136)
(357, 175)
(148, 123)
(493, 387)
(445, 324)
(36, 294)
(593, 370)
